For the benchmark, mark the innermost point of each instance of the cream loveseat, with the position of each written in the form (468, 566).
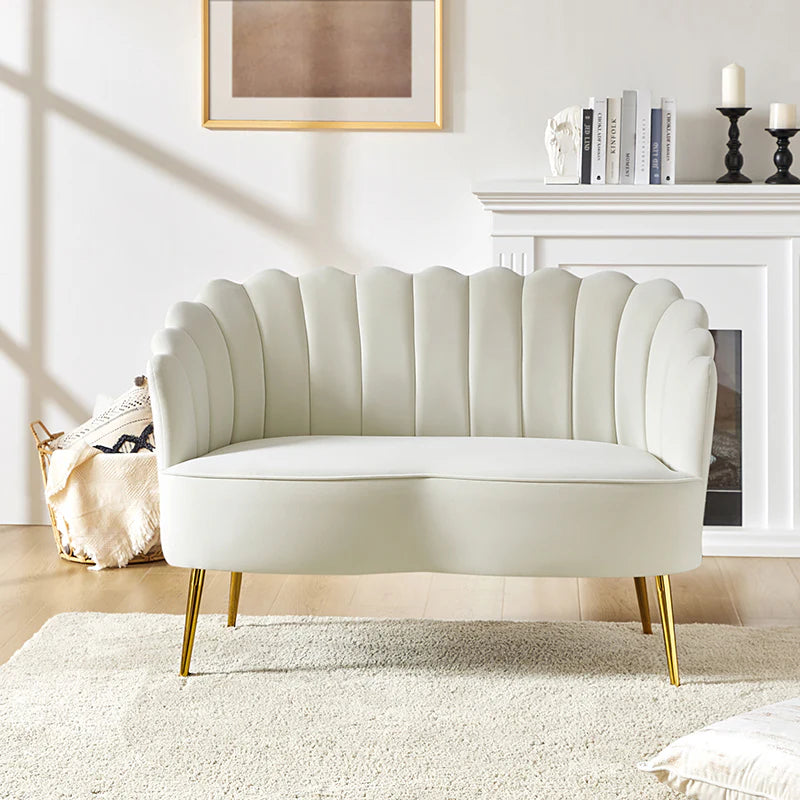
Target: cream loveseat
(385, 422)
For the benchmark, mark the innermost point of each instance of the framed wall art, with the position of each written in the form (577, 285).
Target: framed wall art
(359, 64)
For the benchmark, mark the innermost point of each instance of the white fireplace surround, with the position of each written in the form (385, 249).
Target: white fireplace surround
(736, 249)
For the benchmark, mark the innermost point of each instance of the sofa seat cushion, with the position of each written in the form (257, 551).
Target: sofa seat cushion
(472, 458)
(491, 506)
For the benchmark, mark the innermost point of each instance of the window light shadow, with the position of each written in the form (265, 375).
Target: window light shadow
(315, 233)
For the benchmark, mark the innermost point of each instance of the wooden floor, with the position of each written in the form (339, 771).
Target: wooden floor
(35, 585)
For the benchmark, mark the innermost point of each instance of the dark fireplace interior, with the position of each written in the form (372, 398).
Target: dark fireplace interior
(724, 497)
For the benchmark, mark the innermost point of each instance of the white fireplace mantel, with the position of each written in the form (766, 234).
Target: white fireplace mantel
(736, 249)
(753, 198)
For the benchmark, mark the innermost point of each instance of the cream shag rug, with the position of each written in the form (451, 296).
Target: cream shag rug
(292, 707)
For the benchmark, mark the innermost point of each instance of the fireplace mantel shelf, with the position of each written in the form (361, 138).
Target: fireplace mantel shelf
(534, 195)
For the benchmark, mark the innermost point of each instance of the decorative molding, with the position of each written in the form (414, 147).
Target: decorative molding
(752, 542)
(755, 198)
(514, 252)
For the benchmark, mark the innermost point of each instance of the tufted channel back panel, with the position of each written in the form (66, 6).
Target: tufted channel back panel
(435, 353)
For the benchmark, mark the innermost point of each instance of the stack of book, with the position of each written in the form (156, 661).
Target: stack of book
(625, 140)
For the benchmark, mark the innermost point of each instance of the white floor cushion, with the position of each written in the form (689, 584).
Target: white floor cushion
(752, 756)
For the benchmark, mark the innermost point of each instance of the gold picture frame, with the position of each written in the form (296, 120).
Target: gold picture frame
(434, 124)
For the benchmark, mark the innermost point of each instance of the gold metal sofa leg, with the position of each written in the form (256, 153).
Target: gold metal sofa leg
(668, 627)
(192, 610)
(233, 598)
(644, 604)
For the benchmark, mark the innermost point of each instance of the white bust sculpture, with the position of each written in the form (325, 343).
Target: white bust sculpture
(562, 137)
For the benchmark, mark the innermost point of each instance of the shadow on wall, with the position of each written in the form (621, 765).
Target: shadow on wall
(319, 233)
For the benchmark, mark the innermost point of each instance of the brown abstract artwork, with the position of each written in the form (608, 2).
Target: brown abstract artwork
(322, 48)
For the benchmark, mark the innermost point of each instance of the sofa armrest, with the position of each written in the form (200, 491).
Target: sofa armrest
(682, 390)
(179, 396)
(688, 416)
(174, 421)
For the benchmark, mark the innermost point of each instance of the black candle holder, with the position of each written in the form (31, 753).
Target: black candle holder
(733, 158)
(783, 157)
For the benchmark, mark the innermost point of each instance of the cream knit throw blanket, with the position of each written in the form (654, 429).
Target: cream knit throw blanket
(106, 505)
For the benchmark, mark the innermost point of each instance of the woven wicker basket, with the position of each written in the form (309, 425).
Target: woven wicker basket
(44, 440)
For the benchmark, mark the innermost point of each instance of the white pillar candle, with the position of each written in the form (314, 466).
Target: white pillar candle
(782, 115)
(733, 86)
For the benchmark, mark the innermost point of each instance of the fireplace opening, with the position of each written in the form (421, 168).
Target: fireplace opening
(724, 495)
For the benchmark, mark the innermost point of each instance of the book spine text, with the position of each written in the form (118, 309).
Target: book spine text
(642, 170)
(655, 145)
(612, 139)
(599, 123)
(668, 140)
(586, 146)
(627, 141)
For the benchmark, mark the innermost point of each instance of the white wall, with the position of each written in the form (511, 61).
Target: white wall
(114, 202)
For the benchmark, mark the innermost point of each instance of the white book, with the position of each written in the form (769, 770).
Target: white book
(613, 109)
(642, 173)
(627, 137)
(599, 140)
(668, 119)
